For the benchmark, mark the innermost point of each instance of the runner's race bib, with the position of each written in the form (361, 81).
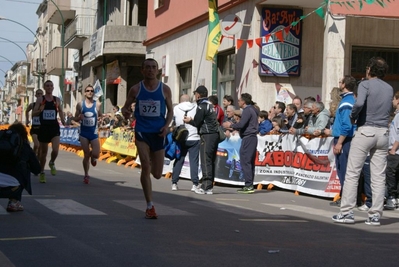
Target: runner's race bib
(48, 114)
(150, 108)
(35, 120)
(89, 122)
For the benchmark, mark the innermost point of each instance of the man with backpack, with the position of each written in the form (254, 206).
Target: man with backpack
(190, 145)
(47, 108)
(208, 128)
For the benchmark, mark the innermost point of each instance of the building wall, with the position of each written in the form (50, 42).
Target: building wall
(325, 51)
(190, 45)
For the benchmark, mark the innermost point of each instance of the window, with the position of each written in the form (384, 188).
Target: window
(185, 72)
(226, 63)
(158, 3)
(361, 56)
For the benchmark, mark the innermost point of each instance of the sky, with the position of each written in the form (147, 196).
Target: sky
(24, 12)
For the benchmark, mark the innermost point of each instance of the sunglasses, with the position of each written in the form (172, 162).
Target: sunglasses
(89, 91)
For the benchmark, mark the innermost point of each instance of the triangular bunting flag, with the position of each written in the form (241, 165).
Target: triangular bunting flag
(239, 43)
(279, 35)
(267, 36)
(258, 41)
(287, 29)
(320, 12)
(250, 43)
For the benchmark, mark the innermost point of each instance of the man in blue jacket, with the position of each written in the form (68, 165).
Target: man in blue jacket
(248, 127)
(343, 129)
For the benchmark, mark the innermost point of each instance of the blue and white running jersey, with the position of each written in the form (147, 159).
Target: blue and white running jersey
(88, 126)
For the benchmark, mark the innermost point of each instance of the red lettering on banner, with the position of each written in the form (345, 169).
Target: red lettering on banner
(278, 157)
(296, 160)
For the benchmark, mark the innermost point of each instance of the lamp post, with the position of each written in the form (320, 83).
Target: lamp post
(63, 48)
(12, 64)
(40, 46)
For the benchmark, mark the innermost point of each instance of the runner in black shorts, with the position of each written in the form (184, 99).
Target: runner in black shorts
(35, 123)
(47, 108)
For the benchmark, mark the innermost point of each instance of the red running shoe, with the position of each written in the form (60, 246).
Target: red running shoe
(150, 213)
(86, 179)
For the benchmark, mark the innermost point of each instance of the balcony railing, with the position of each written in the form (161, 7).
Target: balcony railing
(54, 61)
(81, 28)
(54, 16)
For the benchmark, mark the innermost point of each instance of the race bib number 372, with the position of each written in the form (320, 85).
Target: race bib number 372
(150, 108)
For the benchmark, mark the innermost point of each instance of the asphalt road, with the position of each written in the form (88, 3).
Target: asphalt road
(68, 223)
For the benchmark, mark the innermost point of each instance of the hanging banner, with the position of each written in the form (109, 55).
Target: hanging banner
(281, 43)
(113, 73)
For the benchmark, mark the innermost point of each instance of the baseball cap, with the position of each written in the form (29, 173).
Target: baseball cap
(201, 90)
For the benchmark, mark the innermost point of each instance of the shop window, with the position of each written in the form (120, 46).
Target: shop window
(226, 63)
(185, 71)
(361, 56)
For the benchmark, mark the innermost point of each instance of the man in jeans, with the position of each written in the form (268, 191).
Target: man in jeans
(371, 113)
(207, 125)
(192, 144)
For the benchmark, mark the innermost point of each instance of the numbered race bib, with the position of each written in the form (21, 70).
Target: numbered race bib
(48, 114)
(89, 122)
(150, 108)
(35, 120)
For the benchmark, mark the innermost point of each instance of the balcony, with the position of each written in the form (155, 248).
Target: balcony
(124, 40)
(117, 40)
(54, 16)
(54, 61)
(81, 28)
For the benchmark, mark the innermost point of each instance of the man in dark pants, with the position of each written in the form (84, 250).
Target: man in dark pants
(248, 127)
(207, 125)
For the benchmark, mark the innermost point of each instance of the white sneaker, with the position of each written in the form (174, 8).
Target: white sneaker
(363, 208)
(174, 187)
(194, 187)
(201, 191)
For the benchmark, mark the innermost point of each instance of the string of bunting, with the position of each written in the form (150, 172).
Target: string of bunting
(320, 11)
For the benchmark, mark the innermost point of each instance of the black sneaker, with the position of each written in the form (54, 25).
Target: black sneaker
(246, 190)
(336, 203)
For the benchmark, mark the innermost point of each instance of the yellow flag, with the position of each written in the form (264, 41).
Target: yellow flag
(214, 32)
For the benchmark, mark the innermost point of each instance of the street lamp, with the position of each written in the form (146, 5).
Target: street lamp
(12, 64)
(40, 46)
(62, 51)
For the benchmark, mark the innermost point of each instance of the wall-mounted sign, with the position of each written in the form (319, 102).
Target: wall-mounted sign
(231, 24)
(281, 45)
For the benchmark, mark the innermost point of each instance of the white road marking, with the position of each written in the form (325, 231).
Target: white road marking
(68, 207)
(160, 209)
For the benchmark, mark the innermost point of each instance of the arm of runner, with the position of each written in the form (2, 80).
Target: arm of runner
(78, 112)
(60, 111)
(37, 109)
(169, 116)
(29, 108)
(131, 97)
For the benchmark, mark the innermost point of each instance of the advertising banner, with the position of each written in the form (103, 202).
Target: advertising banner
(121, 142)
(69, 135)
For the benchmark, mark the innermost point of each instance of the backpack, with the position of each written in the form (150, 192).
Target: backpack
(10, 147)
(180, 133)
(172, 148)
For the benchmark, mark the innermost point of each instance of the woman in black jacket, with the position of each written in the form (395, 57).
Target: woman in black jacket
(20, 170)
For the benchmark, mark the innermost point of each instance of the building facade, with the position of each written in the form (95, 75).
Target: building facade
(271, 49)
